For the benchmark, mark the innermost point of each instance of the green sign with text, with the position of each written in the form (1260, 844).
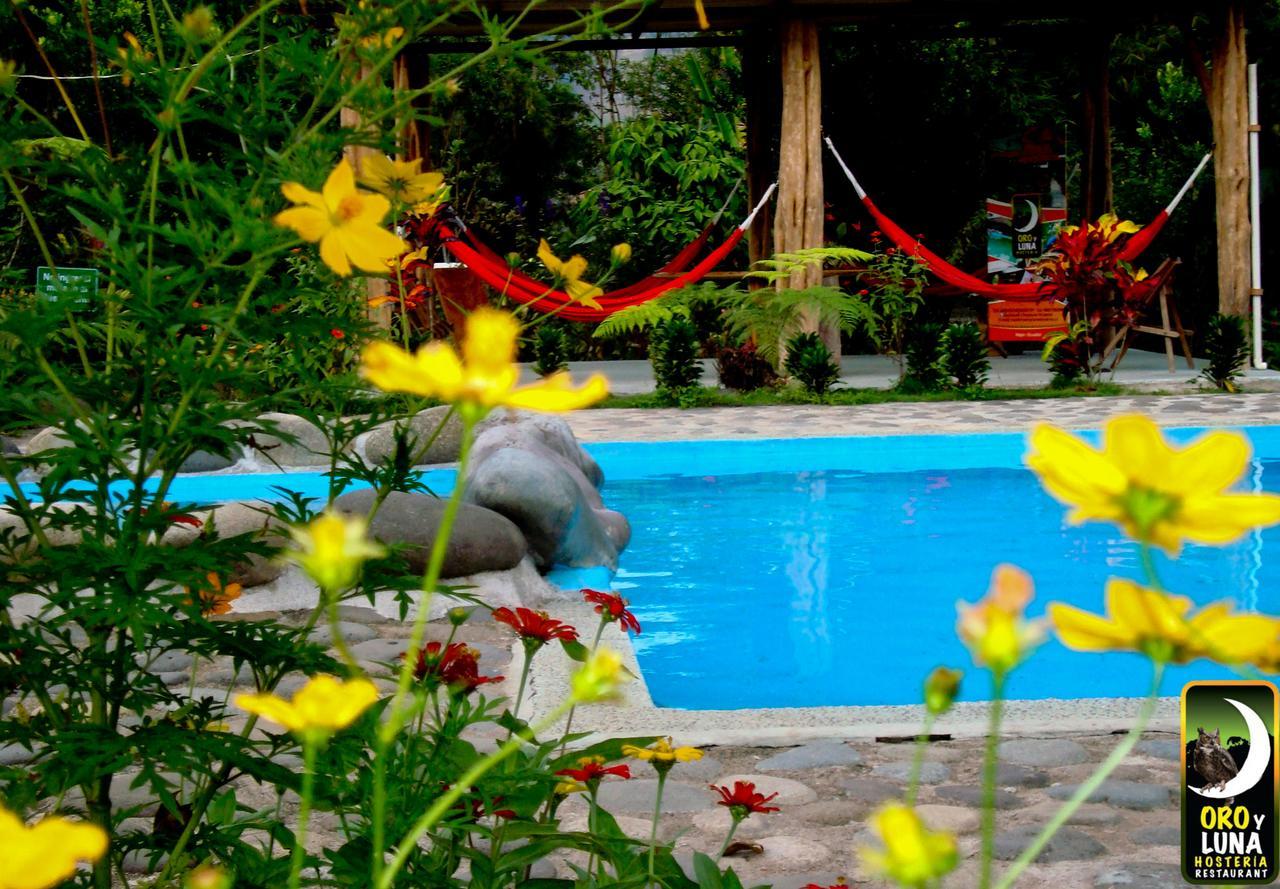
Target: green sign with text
(76, 286)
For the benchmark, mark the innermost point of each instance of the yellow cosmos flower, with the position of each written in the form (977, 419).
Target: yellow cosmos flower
(570, 272)
(997, 634)
(332, 548)
(1162, 627)
(621, 253)
(46, 853)
(483, 377)
(321, 707)
(600, 678)
(912, 855)
(661, 751)
(346, 221)
(402, 181)
(1157, 493)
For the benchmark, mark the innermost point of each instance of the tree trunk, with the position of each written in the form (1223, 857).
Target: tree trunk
(799, 214)
(1229, 108)
(1096, 124)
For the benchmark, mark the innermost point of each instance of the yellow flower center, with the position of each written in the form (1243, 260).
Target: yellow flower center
(1147, 507)
(349, 208)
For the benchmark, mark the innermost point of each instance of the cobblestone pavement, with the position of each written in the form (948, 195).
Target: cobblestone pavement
(899, 418)
(826, 789)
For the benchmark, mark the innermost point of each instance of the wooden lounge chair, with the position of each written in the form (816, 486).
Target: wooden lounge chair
(1170, 322)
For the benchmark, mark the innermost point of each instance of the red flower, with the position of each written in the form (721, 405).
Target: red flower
(890, 251)
(592, 770)
(472, 807)
(876, 235)
(613, 607)
(535, 625)
(744, 799)
(864, 292)
(336, 334)
(456, 667)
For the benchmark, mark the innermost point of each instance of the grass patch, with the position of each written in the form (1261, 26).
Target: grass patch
(702, 396)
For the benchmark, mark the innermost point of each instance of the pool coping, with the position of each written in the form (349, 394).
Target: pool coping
(636, 715)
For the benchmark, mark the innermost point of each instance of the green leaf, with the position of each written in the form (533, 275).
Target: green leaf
(575, 650)
(706, 871)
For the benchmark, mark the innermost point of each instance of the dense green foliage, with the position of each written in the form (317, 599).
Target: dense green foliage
(1226, 346)
(673, 350)
(549, 351)
(810, 363)
(924, 356)
(964, 358)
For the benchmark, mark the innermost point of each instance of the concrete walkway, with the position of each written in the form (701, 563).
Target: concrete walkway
(1143, 370)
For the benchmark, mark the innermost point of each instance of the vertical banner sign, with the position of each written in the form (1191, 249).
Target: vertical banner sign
(1027, 176)
(1229, 790)
(70, 286)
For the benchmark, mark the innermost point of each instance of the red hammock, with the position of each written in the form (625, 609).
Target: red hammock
(495, 272)
(1031, 290)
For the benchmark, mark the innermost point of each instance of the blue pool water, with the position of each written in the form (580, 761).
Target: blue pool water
(819, 572)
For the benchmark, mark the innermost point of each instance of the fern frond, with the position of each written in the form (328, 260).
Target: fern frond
(676, 303)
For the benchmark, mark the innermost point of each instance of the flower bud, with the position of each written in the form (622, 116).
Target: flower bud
(198, 25)
(940, 689)
(621, 253)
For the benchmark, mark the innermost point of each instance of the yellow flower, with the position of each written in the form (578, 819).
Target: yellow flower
(599, 678)
(46, 853)
(621, 253)
(8, 75)
(332, 548)
(995, 630)
(1157, 493)
(128, 55)
(346, 221)
(433, 203)
(940, 689)
(661, 751)
(198, 25)
(1112, 226)
(484, 376)
(1162, 627)
(913, 855)
(570, 272)
(321, 707)
(401, 181)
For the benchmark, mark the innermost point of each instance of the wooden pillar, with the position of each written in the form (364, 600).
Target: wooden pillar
(1229, 109)
(799, 213)
(760, 84)
(413, 71)
(1097, 194)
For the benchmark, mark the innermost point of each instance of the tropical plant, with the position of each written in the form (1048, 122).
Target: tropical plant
(767, 317)
(743, 368)
(810, 362)
(964, 357)
(925, 354)
(549, 350)
(683, 302)
(893, 286)
(673, 350)
(1226, 348)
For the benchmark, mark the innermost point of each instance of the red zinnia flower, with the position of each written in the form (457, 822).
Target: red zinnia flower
(535, 625)
(611, 607)
(336, 334)
(473, 808)
(591, 770)
(744, 799)
(890, 251)
(457, 667)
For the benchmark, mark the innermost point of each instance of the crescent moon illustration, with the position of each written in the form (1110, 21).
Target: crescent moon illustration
(1035, 217)
(1255, 764)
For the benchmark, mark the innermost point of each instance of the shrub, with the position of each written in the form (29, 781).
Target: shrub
(1067, 363)
(1226, 347)
(549, 350)
(809, 362)
(924, 357)
(744, 369)
(673, 350)
(964, 357)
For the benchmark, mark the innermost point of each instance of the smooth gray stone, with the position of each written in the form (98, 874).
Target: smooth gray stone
(1126, 794)
(1164, 835)
(169, 661)
(207, 461)
(381, 651)
(638, 795)
(972, 796)
(361, 614)
(819, 754)
(930, 772)
(380, 443)
(706, 769)
(1140, 875)
(482, 540)
(870, 790)
(1170, 749)
(306, 445)
(1010, 775)
(1045, 753)
(15, 755)
(1068, 844)
(351, 633)
(176, 677)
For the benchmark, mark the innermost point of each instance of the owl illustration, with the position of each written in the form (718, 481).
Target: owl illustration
(1212, 760)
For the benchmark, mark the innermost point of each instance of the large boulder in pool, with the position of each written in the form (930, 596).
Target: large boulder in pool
(481, 541)
(532, 470)
(380, 442)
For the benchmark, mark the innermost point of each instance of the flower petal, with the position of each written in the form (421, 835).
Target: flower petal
(310, 224)
(1137, 448)
(1083, 631)
(556, 394)
(1211, 463)
(340, 184)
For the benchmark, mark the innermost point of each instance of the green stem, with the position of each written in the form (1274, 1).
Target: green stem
(733, 828)
(990, 763)
(1149, 566)
(1086, 790)
(653, 828)
(568, 723)
(304, 812)
(524, 678)
(917, 760)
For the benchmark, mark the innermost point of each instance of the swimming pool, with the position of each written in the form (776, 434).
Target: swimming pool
(825, 571)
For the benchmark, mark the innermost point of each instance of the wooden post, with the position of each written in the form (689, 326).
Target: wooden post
(760, 81)
(1095, 137)
(1229, 109)
(798, 219)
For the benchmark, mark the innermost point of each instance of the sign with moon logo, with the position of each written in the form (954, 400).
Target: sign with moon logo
(1229, 789)
(1027, 243)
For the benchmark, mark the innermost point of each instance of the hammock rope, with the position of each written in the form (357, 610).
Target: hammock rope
(534, 288)
(969, 283)
(501, 276)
